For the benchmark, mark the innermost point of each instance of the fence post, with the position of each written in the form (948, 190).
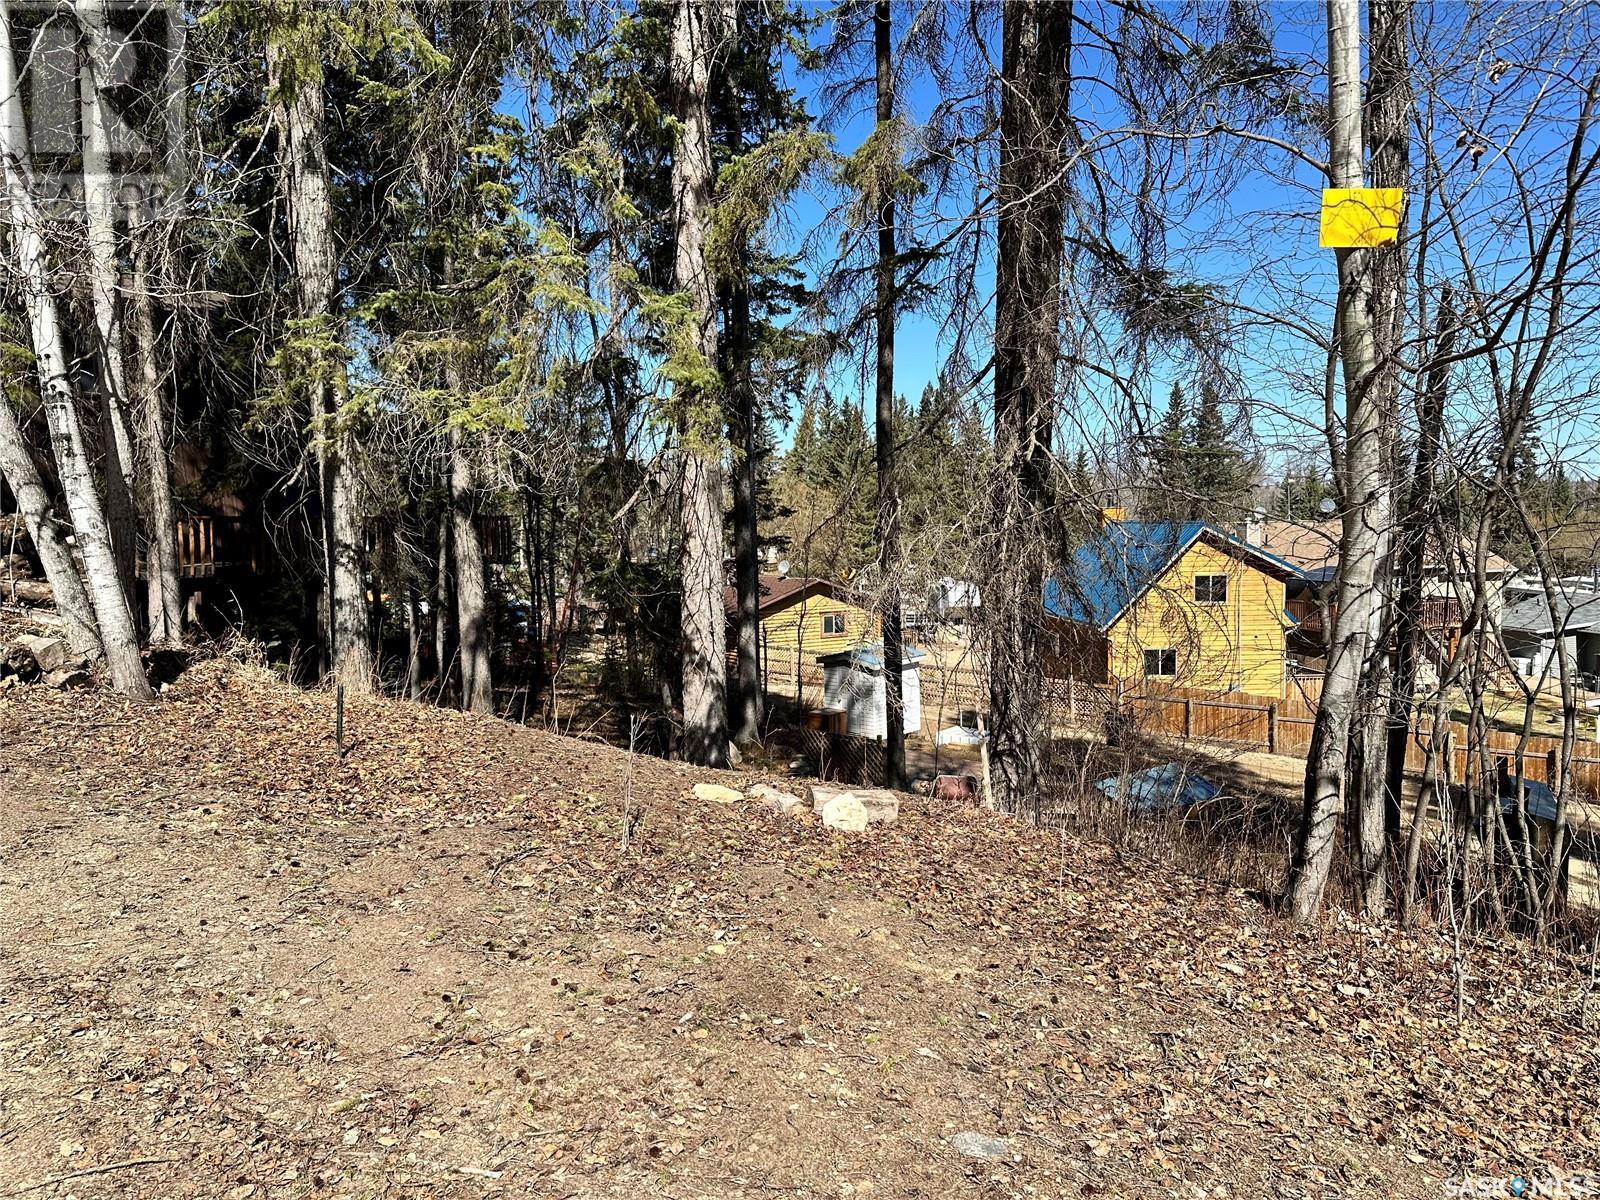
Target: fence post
(1272, 729)
(1072, 699)
(1188, 717)
(1550, 768)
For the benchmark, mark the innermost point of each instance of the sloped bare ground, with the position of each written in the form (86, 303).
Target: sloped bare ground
(232, 966)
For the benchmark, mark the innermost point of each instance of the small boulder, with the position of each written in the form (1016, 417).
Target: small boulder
(845, 813)
(716, 793)
(50, 653)
(981, 1145)
(880, 804)
(63, 678)
(776, 799)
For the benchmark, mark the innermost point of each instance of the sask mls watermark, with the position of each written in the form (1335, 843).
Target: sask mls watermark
(1577, 1186)
(103, 96)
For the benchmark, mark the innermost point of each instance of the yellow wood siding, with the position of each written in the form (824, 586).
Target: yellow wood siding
(1235, 645)
(798, 629)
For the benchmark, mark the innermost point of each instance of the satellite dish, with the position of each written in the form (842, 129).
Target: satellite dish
(1327, 507)
(783, 566)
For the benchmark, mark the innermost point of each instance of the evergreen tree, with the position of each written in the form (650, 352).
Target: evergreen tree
(1218, 472)
(1169, 490)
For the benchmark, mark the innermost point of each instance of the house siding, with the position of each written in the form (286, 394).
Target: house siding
(1236, 645)
(795, 631)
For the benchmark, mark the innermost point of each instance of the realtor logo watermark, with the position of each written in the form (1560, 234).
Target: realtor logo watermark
(1523, 1187)
(133, 63)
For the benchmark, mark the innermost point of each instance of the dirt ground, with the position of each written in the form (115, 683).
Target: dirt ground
(232, 965)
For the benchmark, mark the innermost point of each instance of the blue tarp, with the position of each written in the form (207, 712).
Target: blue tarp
(1539, 800)
(1155, 789)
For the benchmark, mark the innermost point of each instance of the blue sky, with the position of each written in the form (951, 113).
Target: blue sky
(1250, 231)
(1253, 233)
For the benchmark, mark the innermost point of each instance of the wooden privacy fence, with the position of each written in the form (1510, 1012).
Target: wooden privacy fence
(1283, 726)
(1277, 725)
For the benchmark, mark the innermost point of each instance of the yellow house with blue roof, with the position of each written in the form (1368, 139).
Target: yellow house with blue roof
(1182, 604)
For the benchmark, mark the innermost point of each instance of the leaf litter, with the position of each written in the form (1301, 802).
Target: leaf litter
(251, 970)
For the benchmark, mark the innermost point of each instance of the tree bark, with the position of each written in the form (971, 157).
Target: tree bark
(472, 611)
(118, 636)
(888, 519)
(743, 425)
(296, 79)
(443, 652)
(33, 501)
(1034, 120)
(1377, 821)
(1362, 491)
(697, 29)
(164, 593)
(101, 204)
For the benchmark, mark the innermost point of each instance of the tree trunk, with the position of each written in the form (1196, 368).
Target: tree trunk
(697, 30)
(101, 203)
(1390, 106)
(295, 75)
(1034, 121)
(888, 519)
(164, 593)
(472, 620)
(413, 683)
(33, 501)
(443, 652)
(1410, 559)
(744, 422)
(1362, 483)
(118, 636)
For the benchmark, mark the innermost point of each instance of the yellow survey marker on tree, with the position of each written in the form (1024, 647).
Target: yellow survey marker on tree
(1354, 217)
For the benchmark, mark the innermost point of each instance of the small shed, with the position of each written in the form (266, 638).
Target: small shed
(852, 681)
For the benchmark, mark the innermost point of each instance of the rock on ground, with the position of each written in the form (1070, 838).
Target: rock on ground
(716, 793)
(50, 653)
(845, 813)
(774, 798)
(74, 676)
(981, 1145)
(881, 805)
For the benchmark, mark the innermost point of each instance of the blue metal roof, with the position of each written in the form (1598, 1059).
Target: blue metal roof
(1113, 568)
(1154, 789)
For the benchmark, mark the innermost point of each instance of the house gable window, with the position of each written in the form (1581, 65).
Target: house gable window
(1160, 664)
(1211, 589)
(832, 623)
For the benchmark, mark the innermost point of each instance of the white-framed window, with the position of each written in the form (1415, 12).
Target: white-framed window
(1211, 589)
(832, 623)
(1160, 664)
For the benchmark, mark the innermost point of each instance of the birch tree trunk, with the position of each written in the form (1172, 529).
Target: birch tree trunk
(295, 75)
(118, 637)
(1377, 823)
(697, 30)
(60, 569)
(1362, 485)
(888, 521)
(1034, 117)
(477, 683)
(101, 207)
(164, 593)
